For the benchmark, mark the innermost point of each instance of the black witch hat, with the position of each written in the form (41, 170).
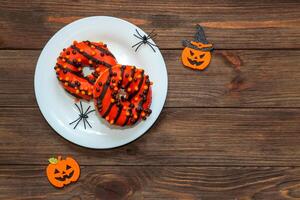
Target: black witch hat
(199, 37)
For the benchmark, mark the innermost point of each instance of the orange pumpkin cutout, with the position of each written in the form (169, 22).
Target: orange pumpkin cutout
(196, 54)
(62, 172)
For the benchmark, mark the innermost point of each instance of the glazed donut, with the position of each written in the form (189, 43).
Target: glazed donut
(74, 58)
(122, 95)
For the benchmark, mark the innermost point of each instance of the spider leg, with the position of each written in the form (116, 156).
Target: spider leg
(78, 108)
(138, 33)
(152, 37)
(81, 108)
(88, 123)
(138, 47)
(87, 110)
(149, 35)
(77, 123)
(151, 46)
(137, 44)
(84, 123)
(137, 36)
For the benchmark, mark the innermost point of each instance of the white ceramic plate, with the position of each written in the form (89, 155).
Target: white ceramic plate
(57, 106)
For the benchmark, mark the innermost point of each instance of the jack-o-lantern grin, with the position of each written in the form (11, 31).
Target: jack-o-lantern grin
(65, 177)
(196, 54)
(195, 58)
(61, 172)
(194, 62)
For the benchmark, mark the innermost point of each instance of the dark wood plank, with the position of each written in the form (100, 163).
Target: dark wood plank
(260, 78)
(132, 182)
(229, 24)
(181, 136)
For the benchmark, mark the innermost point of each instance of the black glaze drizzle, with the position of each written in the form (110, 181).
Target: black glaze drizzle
(127, 119)
(108, 110)
(68, 69)
(74, 64)
(104, 51)
(77, 73)
(118, 114)
(139, 108)
(132, 76)
(122, 75)
(75, 95)
(140, 105)
(105, 87)
(139, 87)
(91, 57)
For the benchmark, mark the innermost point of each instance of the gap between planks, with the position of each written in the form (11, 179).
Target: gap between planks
(163, 165)
(173, 107)
(175, 49)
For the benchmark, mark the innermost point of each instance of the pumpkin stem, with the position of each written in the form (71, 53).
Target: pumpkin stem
(58, 157)
(53, 160)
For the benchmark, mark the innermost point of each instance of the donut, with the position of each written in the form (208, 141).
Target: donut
(122, 95)
(72, 60)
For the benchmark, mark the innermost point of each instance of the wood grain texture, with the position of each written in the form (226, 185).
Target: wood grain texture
(230, 132)
(193, 137)
(240, 78)
(229, 24)
(141, 182)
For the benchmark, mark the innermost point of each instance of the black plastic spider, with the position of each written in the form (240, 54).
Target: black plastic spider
(82, 116)
(145, 40)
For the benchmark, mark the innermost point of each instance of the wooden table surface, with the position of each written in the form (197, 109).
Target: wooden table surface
(229, 132)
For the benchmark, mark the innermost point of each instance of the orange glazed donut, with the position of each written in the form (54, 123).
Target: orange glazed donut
(122, 95)
(79, 55)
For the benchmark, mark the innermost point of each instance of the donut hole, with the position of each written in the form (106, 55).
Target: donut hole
(87, 70)
(122, 94)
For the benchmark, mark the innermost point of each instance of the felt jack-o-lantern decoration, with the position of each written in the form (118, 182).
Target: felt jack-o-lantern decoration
(62, 172)
(196, 54)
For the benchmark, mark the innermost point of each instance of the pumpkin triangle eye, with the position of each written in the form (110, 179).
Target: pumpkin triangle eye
(68, 167)
(56, 171)
(192, 53)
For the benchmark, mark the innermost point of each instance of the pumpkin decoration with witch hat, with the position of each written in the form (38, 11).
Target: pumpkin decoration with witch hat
(61, 172)
(196, 54)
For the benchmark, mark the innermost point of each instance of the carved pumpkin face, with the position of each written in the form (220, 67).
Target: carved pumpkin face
(195, 58)
(62, 172)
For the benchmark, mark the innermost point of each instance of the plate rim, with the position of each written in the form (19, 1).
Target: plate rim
(38, 99)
